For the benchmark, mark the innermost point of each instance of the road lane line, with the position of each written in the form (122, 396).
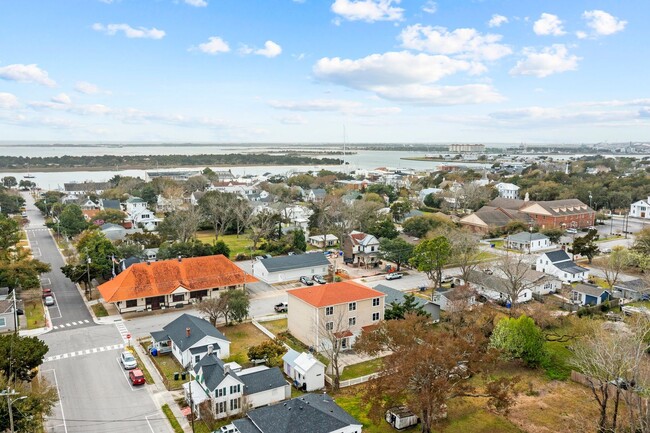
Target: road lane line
(148, 423)
(56, 383)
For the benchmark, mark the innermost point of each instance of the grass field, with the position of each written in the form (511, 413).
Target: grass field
(236, 244)
(242, 336)
(99, 310)
(361, 369)
(167, 366)
(276, 326)
(35, 313)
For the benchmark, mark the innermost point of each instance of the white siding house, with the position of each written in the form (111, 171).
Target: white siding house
(306, 372)
(640, 209)
(290, 268)
(559, 264)
(507, 190)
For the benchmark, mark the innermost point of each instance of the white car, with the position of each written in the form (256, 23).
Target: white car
(128, 361)
(605, 250)
(572, 231)
(393, 276)
(49, 300)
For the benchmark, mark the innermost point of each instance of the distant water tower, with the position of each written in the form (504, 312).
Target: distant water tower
(567, 168)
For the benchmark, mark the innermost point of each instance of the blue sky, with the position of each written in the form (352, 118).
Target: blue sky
(299, 71)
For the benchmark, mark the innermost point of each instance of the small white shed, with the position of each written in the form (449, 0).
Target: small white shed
(400, 417)
(306, 372)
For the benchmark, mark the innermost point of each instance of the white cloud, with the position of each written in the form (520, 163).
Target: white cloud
(407, 77)
(88, 88)
(615, 103)
(603, 23)
(463, 42)
(215, 45)
(548, 24)
(581, 35)
(542, 116)
(497, 20)
(334, 105)
(129, 32)
(294, 119)
(368, 10)
(7, 100)
(196, 3)
(61, 98)
(271, 49)
(26, 74)
(430, 7)
(548, 61)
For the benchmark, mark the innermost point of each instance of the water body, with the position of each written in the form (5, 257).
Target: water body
(360, 160)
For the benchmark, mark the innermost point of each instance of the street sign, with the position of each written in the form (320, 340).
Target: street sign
(128, 336)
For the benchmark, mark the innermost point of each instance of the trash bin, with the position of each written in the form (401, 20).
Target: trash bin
(176, 375)
(492, 245)
(154, 352)
(183, 375)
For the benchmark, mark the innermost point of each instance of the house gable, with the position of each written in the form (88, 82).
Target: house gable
(535, 209)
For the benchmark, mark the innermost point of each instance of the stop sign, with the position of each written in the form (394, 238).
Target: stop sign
(128, 336)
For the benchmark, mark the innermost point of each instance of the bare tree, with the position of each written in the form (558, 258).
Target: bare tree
(331, 334)
(262, 226)
(213, 308)
(173, 194)
(611, 363)
(514, 269)
(217, 208)
(612, 265)
(243, 215)
(465, 251)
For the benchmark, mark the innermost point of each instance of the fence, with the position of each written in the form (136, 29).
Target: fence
(629, 396)
(352, 382)
(263, 329)
(613, 303)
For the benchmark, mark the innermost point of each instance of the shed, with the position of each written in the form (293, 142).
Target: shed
(400, 417)
(306, 372)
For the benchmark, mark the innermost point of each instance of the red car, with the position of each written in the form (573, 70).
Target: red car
(47, 292)
(136, 376)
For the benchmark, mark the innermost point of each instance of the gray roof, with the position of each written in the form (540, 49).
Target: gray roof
(298, 261)
(589, 289)
(570, 268)
(394, 295)
(202, 349)
(486, 281)
(315, 413)
(557, 256)
(290, 356)
(213, 371)
(523, 237)
(87, 186)
(110, 204)
(637, 285)
(262, 380)
(319, 192)
(199, 328)
(159, 335)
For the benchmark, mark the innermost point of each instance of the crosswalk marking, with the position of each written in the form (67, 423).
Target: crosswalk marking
(84, 352)
(121, 327)
(64, 325)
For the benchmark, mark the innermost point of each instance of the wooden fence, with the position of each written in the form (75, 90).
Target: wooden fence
(353, 381)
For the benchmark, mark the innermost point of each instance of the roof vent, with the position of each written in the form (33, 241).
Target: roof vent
(148, 263)
(188, 331)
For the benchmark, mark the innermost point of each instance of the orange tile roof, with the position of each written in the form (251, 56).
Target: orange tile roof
(335, 293)
(90, 213)
(143, 280)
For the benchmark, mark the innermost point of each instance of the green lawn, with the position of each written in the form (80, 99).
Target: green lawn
(361, 369)
(242, 336)
(99, 310)
(276, 326)
(237, 244)
(35, 313)
(167, 366)
(172, 419)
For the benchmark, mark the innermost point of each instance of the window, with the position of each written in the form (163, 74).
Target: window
(235, 389)
(3, 322)
(344, 343)
(352, 321)
(329, 311)
(375, 302)
(329, 326)
(178, 298)
(234, 404)
(221, 407)
(375, 317)
(131, 303)
(197, 358)
(352, 306)
(221, 392)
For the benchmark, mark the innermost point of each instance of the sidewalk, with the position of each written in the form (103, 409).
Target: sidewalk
(159, 393)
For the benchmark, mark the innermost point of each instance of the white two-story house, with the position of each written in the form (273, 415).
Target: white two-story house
(559, 264)
(232, 390)
(640, 209)
(361, 249)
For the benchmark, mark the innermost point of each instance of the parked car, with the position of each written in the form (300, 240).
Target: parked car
(488, 271)
(605, 250)
(49, 300)
(137, 377)
(572, 231)
(282, 307)
(319, 279)
(128, 360)
(306, 281)
(394, 276)
(47, 292)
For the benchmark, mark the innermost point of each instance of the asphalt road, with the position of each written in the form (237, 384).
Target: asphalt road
(69, 309)
(94, 391)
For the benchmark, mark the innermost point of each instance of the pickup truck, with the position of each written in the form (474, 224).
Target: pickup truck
(282, 307)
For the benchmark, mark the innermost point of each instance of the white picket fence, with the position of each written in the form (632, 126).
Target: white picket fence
(352, 382)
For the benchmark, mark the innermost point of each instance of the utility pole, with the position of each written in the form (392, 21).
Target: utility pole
(90, 292)
(8, 393)
(15, 311)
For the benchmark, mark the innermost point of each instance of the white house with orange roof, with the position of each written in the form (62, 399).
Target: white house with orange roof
(317, 314)
(167, 283)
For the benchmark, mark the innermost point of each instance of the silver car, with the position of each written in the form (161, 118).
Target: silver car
(128, 360)
(49, 300)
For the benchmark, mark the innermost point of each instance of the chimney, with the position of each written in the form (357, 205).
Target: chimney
(179, 258)
(210, 348)
(188, 331)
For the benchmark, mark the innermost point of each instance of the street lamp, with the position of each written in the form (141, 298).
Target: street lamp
(590, 198)
(530, 238)
(9, 392)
